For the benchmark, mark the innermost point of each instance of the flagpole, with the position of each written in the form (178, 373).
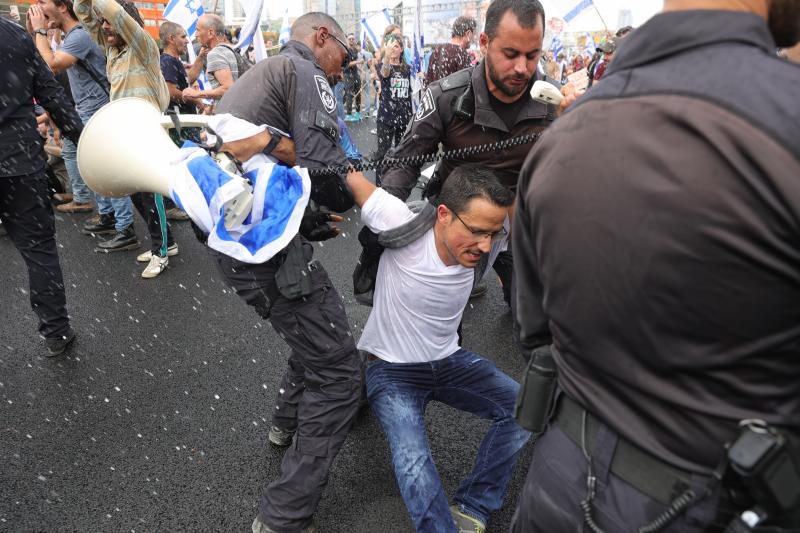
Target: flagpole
(600, 15)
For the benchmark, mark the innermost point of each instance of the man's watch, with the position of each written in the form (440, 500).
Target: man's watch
(41, 31)
(275, 138)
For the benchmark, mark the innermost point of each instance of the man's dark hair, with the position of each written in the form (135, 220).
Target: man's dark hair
(623, 31)
(528, 13)
(462, 25)
(305, 24)
(68, 3)
(468, 182)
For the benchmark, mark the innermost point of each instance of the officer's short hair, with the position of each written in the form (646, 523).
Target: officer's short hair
(167, 30)
(468, 182)
(528, 13)
(462, 25)
(305, 25)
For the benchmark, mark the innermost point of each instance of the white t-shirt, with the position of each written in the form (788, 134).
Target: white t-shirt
(418, 300)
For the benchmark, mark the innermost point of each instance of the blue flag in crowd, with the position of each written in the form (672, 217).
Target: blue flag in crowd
(591, 47)
(251, 29)
(575, 11)
(374, 26)
(556, 46)
(280, 195)
(416, 57)
(286, 30)
(185, 13)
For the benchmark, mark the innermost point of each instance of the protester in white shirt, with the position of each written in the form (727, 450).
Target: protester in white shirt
(411, 339)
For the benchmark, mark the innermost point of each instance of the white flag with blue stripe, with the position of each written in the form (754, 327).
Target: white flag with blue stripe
(201, 187)
(416, 57)
(185, 13)
(591, 47)
(251, 29)
(556, 46)
(375, 25)
(286, 30)
(577, 9)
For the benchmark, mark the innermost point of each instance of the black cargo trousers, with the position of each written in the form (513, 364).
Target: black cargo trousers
(325, 368)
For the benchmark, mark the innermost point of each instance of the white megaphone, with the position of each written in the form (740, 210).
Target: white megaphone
(125, 149)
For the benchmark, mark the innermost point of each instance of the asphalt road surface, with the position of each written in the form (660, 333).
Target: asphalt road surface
(157, 418)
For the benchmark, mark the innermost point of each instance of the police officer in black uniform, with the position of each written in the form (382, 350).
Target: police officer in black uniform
(25, 209)
(483, 104)
(319, 395)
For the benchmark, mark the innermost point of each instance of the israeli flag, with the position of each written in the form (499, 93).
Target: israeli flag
(556, 46)
(185, 13)
(286, 30)
(577, 9)
(374, 26)
(280, 195)
(591, 47)
(416, 57)
(251, 29)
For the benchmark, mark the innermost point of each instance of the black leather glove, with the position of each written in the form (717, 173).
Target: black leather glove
(315, 227)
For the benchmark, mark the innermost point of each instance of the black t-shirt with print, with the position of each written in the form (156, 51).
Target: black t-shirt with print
(395, 108)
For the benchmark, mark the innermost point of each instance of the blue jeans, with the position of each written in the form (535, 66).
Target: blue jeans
(81, 192)
(121, 208)
(338, 91)
(399, 394)
(368, 90)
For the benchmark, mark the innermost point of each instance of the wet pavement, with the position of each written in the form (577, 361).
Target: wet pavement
(157, 418)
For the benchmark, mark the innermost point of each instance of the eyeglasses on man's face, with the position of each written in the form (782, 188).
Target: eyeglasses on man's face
(493, 236)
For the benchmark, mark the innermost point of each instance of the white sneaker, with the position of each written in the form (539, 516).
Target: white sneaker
(155, 267)
(147, 256)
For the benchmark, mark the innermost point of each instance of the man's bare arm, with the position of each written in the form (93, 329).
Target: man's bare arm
(194, 71)
(57, 61)
(361, 187)
(244, 149)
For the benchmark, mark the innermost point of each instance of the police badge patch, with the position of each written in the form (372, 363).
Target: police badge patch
(325, 94)
(426, 106)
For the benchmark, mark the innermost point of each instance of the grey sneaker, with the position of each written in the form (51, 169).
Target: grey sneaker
(279, 437)
(465, 523)
(58, 345)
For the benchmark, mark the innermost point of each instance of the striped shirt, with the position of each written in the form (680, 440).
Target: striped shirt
(135, 69)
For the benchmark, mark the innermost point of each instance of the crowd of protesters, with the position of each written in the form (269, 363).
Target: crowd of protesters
(99, 52)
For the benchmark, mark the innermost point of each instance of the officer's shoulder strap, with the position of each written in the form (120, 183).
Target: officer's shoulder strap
(457, 80)
(405, 234)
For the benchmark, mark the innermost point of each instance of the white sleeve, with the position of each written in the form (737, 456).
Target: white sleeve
(382, 211)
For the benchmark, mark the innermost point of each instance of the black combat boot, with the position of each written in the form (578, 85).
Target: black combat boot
(100, 225)
(123, 240)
